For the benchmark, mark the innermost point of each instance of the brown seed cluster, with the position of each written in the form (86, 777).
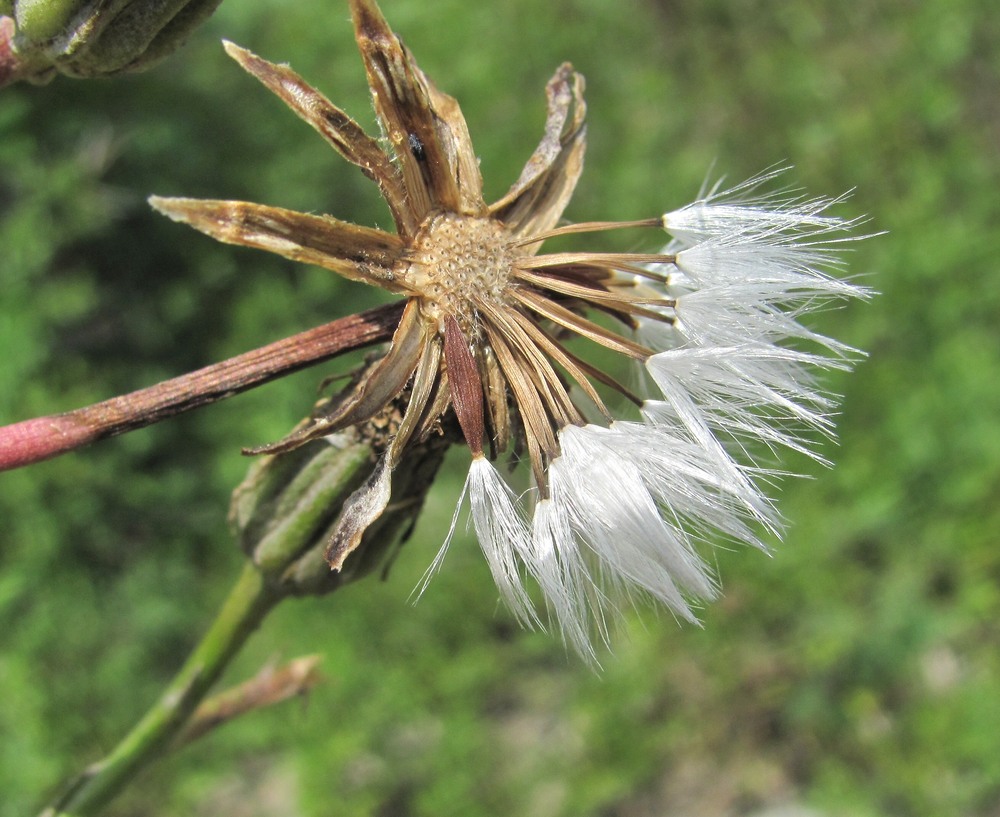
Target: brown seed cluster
(458, 262)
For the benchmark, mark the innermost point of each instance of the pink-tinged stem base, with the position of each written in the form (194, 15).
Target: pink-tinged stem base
(42, 438)
(9, 63)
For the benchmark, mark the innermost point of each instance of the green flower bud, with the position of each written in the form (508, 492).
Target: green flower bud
(287, 508)
(90, 38)
(39, 21)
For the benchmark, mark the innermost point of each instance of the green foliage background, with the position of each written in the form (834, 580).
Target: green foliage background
(855, 673)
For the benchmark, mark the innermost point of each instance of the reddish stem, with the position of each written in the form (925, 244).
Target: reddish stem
(40, 439)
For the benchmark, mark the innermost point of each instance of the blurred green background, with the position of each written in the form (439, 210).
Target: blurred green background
(854, 673)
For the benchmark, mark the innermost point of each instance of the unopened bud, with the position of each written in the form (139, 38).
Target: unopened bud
(288, 508)
(91, 38)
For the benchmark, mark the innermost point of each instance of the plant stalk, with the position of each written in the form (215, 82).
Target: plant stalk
(42, 438)
(248, 603)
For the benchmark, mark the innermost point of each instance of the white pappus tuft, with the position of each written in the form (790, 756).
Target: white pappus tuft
(626, 506)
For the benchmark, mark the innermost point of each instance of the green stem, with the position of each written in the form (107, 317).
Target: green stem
(248, 602)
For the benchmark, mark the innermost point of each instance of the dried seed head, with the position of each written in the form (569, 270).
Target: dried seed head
(619, 506)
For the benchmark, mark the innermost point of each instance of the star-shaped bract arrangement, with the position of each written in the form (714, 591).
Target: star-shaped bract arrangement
(618, 506)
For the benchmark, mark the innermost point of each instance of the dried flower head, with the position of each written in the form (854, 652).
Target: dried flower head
(617, 506)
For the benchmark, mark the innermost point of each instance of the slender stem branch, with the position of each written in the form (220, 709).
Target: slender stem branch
(41, 438)
(272, 685)
(248, 602)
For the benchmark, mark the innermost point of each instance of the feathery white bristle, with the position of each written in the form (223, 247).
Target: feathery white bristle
(569, 589)
(611, 511)
(503, 536)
